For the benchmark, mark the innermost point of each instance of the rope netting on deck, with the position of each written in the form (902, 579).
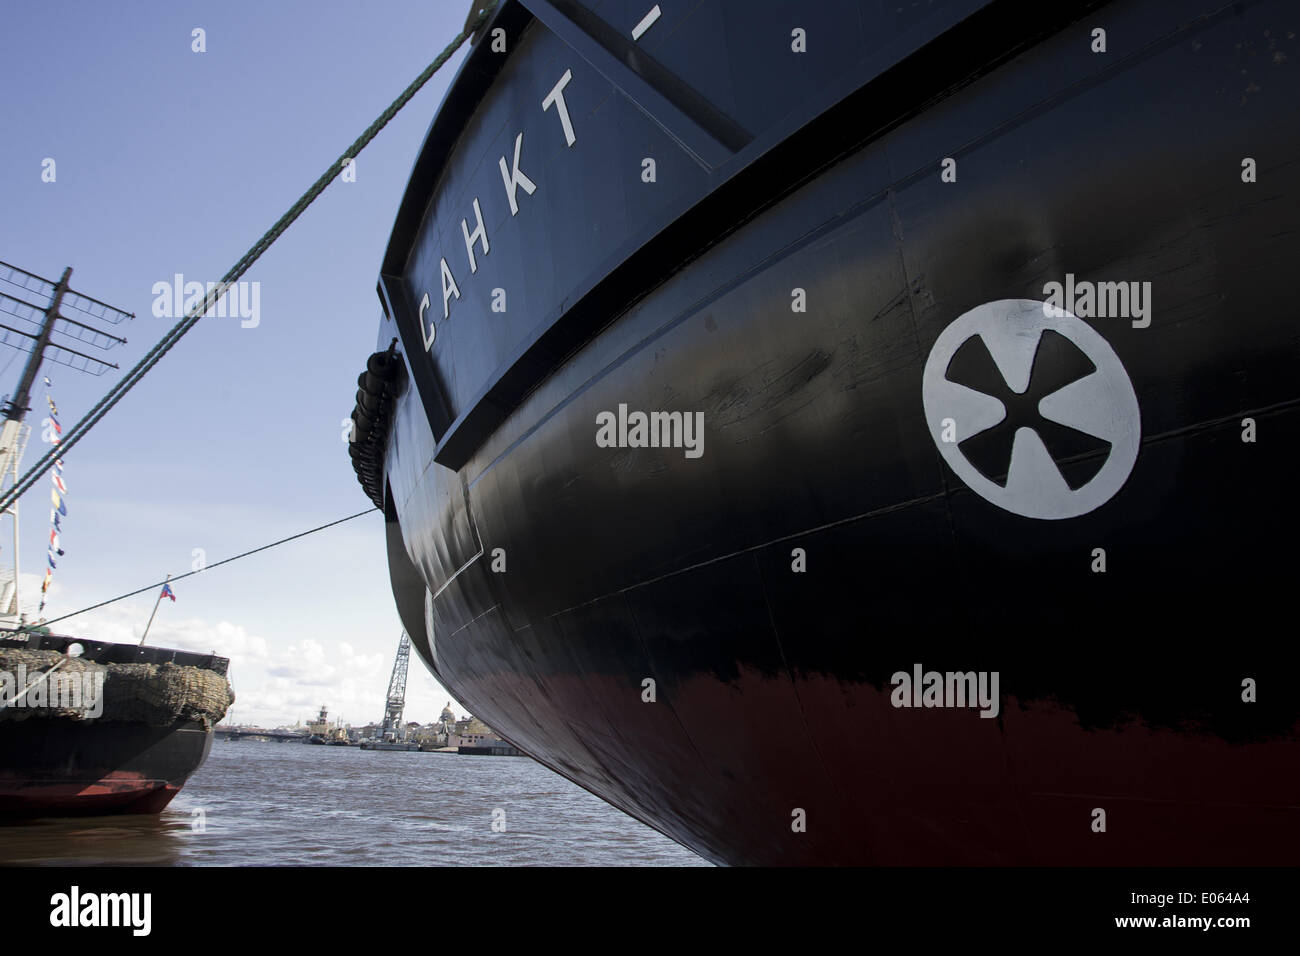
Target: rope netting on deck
(50, 684)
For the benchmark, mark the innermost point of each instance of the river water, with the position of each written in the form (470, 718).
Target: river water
(290, 804)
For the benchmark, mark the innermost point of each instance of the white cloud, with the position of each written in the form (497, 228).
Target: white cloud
(276, 681)
(279, 679)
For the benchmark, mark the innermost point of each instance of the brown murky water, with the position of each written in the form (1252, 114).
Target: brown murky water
(275, 804)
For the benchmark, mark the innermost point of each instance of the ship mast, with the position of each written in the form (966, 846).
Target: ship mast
(40, 323)
(13, 441)
(13, 436)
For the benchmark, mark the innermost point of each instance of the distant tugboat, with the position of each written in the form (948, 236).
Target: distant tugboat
(322, 732)
(406, 745)
(318, 729)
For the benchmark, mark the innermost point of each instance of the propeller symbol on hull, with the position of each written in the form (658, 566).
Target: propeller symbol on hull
(1033, 412)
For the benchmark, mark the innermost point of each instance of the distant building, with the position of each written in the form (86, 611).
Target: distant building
(440, 732)
(429, 735)
(472, 732)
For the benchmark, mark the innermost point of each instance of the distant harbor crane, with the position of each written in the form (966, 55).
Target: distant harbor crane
(396, 700)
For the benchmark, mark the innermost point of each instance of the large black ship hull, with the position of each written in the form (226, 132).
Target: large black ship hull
(711, 643)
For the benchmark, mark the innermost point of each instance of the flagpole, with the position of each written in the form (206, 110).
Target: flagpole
(155, 611)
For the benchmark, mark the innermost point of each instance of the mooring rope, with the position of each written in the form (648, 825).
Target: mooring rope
(177, 577)
(128, 381)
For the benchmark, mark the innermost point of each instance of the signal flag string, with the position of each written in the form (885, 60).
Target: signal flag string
(151, 358)
(177, 577)
(57, 494)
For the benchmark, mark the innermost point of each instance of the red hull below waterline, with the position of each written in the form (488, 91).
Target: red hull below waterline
(114, 793)
(60, 767)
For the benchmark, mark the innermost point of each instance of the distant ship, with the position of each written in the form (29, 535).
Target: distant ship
(389, 745)
(86, 727)
(156, 709)
(862, 433)
(321, 731)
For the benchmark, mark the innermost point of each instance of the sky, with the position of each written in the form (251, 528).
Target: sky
(168, 161)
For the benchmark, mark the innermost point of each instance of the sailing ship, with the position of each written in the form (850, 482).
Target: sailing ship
(86, 727)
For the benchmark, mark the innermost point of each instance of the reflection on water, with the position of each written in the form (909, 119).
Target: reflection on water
(91, 841)
(291, 804)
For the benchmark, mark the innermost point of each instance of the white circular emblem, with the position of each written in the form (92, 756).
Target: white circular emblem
(1098, 407)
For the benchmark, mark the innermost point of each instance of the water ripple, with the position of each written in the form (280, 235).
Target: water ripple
(272, 804)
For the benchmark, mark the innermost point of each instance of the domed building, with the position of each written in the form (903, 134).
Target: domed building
(445, 726)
